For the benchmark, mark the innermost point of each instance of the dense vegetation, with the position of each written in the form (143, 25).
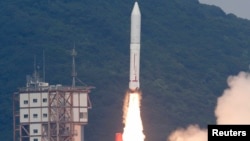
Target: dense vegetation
(187, 52)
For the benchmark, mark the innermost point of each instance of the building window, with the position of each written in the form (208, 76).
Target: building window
(35, 115)
(45, 115)
(34, 100)
(82, 115)
(35, 131)
(44, 100)
(25, 116)
(25, 102)
(35, 140)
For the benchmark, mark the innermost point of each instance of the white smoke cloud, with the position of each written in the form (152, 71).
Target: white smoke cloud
(192, 133)
(233, 107)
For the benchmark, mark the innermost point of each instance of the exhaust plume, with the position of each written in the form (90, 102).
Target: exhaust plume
(192, 133)
(233, 107)
(133, 129)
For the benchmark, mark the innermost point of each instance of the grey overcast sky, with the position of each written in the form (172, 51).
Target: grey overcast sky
(240, 8)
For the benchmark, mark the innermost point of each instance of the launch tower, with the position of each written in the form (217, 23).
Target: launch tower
(43, 112)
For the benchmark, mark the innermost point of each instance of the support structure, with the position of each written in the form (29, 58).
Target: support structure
(50, 113)
(43, 112)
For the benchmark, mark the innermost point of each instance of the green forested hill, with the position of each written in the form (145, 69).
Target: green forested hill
(187, 52)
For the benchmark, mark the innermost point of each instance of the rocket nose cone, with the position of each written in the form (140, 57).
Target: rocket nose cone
(136, 10)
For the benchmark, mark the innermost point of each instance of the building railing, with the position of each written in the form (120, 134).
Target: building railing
(54, 88)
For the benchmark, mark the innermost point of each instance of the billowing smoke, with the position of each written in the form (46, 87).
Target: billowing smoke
(233, 107)
(192, 133)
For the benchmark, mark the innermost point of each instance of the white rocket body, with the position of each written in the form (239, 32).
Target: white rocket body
(135, 37)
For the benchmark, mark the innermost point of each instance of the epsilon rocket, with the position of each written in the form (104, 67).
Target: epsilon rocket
(135, 37)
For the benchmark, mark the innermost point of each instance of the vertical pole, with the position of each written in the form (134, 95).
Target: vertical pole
(20, 132)
(57, 116)
(49, 114)
(43, 66)
(14, 117)
(82, 132)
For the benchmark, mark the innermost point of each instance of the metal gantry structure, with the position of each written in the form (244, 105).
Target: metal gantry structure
(50, 114)
(43, 112)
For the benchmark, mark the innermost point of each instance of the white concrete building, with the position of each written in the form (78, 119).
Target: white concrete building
(50, 113)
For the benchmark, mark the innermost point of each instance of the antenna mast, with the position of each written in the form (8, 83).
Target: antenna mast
(35, 73)
(74, 74)
(43, 66)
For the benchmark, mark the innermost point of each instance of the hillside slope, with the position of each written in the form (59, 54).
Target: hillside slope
(187, 52)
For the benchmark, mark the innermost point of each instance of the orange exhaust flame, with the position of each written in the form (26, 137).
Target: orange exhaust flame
(118, 137)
